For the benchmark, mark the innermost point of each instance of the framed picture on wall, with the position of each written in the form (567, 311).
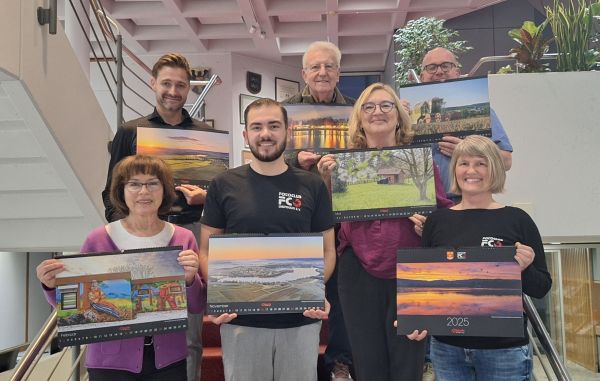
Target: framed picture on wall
(245, 100)
(285, 88)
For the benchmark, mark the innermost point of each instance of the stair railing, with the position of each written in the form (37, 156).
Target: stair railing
(111, 48)
(36, 348)
(559, 368)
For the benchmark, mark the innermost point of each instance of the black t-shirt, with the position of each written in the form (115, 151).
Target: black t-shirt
(242, 201)
(487, 228)
(125, 144)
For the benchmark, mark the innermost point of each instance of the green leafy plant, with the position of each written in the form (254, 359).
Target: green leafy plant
(417, 38)
(573, 28)
(532, 47)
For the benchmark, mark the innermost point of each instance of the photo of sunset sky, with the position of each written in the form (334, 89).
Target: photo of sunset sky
(459, 288)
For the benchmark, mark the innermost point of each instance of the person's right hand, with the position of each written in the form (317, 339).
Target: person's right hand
(326, 166)
(47, 270)
(221, 319)
(307, 159)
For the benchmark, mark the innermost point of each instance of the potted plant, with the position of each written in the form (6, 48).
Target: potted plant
(417, 38)
(532, 47)
(574, 34)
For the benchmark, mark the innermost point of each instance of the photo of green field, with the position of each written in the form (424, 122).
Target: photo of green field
(378, 179)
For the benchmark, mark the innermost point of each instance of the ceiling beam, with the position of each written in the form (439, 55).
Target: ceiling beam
(189, 27)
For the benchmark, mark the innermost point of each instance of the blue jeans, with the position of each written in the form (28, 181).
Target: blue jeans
(455, 363)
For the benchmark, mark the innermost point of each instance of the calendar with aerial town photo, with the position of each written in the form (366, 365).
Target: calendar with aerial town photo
(265, 274)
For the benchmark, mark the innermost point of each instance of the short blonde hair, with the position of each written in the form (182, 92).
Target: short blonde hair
(404, 131)
(323, 45)
(477, 145)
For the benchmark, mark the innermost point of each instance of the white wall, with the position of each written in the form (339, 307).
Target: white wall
(553, 121)
(217, 98)
(269, 70)
(13, 293)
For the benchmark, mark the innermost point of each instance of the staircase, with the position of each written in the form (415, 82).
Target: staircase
(212, 364)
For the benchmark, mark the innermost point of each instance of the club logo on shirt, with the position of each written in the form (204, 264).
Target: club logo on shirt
(492, 242)
(290, 201)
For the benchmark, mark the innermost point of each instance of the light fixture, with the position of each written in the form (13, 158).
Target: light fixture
(263, 34)
(252, 29)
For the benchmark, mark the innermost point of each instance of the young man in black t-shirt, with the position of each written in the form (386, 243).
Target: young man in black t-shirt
(268, 196)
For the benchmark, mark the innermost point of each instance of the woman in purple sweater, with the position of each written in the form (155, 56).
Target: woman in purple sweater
(142, 187)
(367, 252)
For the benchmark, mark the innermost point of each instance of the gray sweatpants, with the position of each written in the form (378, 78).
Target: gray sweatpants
(265, 354)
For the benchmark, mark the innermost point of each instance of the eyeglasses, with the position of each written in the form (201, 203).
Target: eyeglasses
(445, 66)
(135, 187)
(317, 67)
(385, 107)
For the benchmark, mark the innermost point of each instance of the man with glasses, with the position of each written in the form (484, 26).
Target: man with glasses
(438, 65)
(321, 73)
(170, 82)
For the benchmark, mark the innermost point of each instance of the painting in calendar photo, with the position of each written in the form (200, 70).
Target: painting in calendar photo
(108, 296)
(369, 184)
(265, 274)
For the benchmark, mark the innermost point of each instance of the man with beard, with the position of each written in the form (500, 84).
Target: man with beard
(170, 82)
(254, 198)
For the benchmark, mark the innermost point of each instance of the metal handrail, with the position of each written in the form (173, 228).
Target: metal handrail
(548, 56)
(104, 20)
(214, 80)
(482, 60)
(39, 343)
(555, 361)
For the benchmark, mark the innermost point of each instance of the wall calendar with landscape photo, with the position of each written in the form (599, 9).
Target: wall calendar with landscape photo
(194, 156)
(371, 184)
(265, 274)
(318, 127)
(458, 107)
(473, 291)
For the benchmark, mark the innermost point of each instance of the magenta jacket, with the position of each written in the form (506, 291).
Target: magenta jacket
(375, 242)
(127, 354)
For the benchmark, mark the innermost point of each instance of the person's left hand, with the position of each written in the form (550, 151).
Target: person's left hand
(415, 335)
(405, 105)
(194, 195)
(326, 165)
(419, 222)
(188, 259)
(315, 313)
(524, 256)
(448, 144)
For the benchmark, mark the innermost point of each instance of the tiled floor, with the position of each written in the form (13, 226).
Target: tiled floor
(577, 373)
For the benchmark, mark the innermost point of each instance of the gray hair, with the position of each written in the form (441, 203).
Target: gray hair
(323, 45)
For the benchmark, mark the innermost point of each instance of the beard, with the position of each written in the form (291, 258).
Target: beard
(279, 149)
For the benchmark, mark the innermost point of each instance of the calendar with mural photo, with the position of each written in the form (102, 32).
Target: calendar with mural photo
(107, 296)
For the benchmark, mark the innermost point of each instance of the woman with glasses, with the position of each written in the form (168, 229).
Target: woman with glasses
(141, 188)
(367, 252)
